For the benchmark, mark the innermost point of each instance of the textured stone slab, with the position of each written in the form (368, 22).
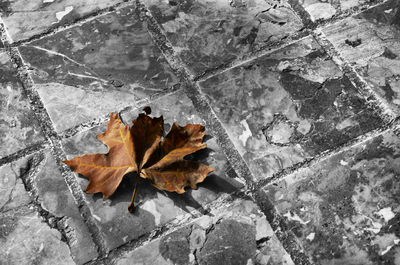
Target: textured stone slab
(321, 10)
(154, 207)
(27, 18)
(207, 34)
(26, 239)
(370, 42)
(12, 190)
(18, 126)
(101, 66)
(288, 106)
(233, 234)
(345, 209)
(55, 197)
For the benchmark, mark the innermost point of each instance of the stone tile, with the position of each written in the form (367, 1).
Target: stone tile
(346, 209)
(18, 127)
(233, 234)
(19, 15)
(12, 191)
(55, 197)
(285, 107)
(154, 207)
(321, 10)
(101, 66)
(26, 239)
(207, 34)
(370, 42)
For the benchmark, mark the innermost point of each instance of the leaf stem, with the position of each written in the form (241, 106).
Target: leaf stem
(131, 206)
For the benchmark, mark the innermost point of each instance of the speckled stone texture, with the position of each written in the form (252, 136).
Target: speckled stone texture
(345, 209)
(370, 42)
(207, 34)
(283, 108)
(26, 18)
(101, 66)
(154, 207)
(227, 235)
(18, 127)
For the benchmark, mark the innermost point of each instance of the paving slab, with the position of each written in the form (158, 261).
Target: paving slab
(18, 127)
(154, 207)
(370, 42)
(234, 234)
(288, 106)
(26, 18)
(207, 34)
(25, 239)
(346, 209)
(322, 10)
(103, 65)
(55, 197)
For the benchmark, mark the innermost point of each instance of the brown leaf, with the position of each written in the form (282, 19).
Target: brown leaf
(105, 171)
(140, 149)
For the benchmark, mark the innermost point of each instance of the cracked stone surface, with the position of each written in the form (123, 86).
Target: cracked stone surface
(55, 197)
(154, 207)
(321, 10)
(210, 240)
(19, 15)
(12, 190)
(345, 209)
(207, 34)
(370, 42)
(98, 67)
(288, 106)
(18, 126)
(26, 239)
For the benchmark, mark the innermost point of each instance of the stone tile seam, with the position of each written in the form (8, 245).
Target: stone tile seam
(203, 103)
(77, 22)
(23, 153)
(222, 201)
(192, 91)
(37, 162)
(357, 80)
(310, 26)
(393, 126)
(55, 144)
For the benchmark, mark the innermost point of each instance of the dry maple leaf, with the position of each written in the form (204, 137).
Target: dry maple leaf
(140, 149)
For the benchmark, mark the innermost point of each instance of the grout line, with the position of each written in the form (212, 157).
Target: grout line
(23, 153)
(54, 140)
(359, 83)
(76, 22)
(213, 124)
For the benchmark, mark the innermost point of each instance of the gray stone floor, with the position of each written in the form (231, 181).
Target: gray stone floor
(300, 99)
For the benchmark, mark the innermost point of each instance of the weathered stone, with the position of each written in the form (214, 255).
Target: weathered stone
(230, 234)
(27, 18)
(12, 190)
(55, 197)
(18, 126)
(207, 34)
(321, 10)
(154, 207)
(101, 66)
(290, 105)
(345, 209)
(370, 42)
(26, 239)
